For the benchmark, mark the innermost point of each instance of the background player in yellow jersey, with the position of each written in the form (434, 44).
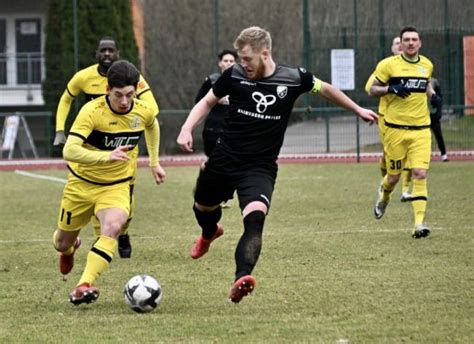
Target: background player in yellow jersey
(383, 104)
(406, 173)
(99, 152)
(406, 78)
(92, 81)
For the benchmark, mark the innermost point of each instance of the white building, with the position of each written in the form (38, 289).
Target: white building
(22, 37)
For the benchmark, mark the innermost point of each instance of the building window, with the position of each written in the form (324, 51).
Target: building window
(21, 57)
(28, 51)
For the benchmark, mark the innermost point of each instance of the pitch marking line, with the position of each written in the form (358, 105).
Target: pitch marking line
(40, 176)
(159, 237)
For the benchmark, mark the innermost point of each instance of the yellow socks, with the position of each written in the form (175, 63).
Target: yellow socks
(419, 199)
(406, 180)
(387, 189)
(98, 259)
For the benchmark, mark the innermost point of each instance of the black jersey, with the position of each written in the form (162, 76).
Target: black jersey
(255, 124)
(215, 118)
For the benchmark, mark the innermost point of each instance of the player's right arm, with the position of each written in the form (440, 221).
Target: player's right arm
(197, 114)
(75, 150)
(381, 76)
(73, 88)
(369, 83)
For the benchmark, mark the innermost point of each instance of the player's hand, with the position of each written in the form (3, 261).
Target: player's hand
(120, 153)
(399, 90)
(368, 116)
(59, 138)
(436, 101)
(185, 140)
(159, 174)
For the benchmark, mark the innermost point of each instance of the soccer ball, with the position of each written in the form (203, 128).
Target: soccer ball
(142, 293)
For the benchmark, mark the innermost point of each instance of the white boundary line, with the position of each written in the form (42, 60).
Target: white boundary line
(359, 231)
(40, 176)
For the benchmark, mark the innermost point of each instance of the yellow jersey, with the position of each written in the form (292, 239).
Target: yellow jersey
(94, 84)
(415, 75)
(101, 131)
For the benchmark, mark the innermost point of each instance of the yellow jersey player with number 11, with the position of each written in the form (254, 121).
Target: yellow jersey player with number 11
(99, 152)
(92, 81)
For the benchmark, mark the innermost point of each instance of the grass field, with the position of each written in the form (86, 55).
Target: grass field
(328, 272)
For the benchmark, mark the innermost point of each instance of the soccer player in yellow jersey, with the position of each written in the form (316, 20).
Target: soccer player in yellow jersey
(406, 173)
(406, 80)
(92, 81)
(99, 150)
(383, 105)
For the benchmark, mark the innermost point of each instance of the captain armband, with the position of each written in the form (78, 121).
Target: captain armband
(317, 84)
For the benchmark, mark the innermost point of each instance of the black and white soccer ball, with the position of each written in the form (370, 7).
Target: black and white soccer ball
(142, 293)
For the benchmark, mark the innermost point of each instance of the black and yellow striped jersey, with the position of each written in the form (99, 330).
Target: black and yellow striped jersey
(94, 84)
(102, 130)
(413, 110)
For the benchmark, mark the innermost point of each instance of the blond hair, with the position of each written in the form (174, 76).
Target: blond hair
(256, 37)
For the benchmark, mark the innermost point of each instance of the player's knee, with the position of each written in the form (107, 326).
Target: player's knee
(393, 179)
(254, 219)
(204, 208)
(62, 241)
(255, 206)
(208, 217)
(112, 228)
(419, 173)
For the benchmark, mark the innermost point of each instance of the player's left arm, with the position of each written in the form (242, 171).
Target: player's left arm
(338, 97)
(430, 90)
(144, 93)
(152, 138)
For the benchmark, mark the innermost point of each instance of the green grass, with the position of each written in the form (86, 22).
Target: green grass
(328, 270)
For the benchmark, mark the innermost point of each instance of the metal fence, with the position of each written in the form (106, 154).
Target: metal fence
(316, 126)
(314, 131)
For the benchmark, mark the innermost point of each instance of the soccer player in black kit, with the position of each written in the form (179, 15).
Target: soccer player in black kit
(261, 96)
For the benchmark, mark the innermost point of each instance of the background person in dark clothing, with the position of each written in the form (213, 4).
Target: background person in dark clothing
(213, 126)
(435, 114)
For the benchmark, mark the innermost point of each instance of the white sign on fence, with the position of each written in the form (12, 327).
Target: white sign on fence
(10, 131)
(342, 69)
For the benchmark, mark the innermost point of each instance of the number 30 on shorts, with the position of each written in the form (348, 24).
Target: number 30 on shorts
(395, 164)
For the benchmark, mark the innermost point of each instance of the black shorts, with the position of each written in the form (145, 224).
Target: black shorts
(251, 184)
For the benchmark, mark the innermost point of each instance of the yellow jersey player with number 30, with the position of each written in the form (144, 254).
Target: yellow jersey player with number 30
(405, 80)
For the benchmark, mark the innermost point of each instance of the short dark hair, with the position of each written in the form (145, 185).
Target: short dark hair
(225, 52)
(409, 29)
(109, 38)
(123, 73)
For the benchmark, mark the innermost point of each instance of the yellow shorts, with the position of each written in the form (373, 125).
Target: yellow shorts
(412, 146)
(81, 200)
